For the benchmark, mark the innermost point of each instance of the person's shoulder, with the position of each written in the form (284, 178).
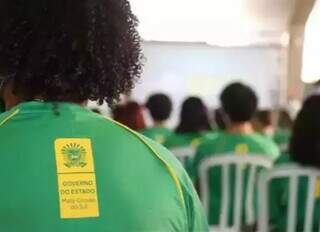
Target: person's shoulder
(8, 116)
(267, 145)
(162, 153)
(283, 159)
(174, 166)
(152, 146)
(211, 139)
(209, 136)
(261, 139)
(147, 131)
(208, 145)
(174, 140)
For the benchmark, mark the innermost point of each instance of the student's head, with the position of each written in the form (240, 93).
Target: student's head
(160, 107)
(305, 140)
(285, 120)
(219, 119)
(263, 120)
(68, 50)
(130, 114)
(239, 102)
(193, 117)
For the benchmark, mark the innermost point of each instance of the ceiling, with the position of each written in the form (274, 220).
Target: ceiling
(217, 22)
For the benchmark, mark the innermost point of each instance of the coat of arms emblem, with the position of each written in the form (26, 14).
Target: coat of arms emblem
(74, 155)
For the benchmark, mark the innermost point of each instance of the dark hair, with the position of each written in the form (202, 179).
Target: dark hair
(239, 102)
(96, 110)
(285, 120)
(305, 140)
(193, 117)
(160, 107)
(130, 114)
(219, 120)
(69, 50)
(264, 117)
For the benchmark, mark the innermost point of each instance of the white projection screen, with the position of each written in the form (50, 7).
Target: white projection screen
(197, 69)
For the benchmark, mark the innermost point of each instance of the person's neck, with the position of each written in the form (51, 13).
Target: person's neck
(240, 128)
(269, 130)
(14, 102)
(159, 123)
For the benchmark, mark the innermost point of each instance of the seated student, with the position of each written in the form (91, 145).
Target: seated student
(63, 167)
(304, 150)
(263, 123)
(239, 103)
(194, 123)
(283, 132)
(160, 107)
(219, 120)
(130, 114)
(219, 126)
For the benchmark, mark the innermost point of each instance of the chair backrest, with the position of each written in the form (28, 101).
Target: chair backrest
(252, 162)
(292, 173)
(183, 153)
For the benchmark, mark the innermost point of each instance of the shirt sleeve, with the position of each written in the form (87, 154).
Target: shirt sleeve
(197, 221)
(272, 150)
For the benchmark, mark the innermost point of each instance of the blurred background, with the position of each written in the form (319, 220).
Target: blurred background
(196, 47)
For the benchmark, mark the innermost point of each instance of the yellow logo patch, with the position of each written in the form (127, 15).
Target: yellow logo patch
(317, 193)
(241, 149)
(195, 143)
(74, 155)
(160, 139)
(76, 178)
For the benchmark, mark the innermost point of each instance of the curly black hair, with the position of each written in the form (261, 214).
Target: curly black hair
(239, 102)
(305, 139)
(193, 117)
(69, 50)
(160, 106)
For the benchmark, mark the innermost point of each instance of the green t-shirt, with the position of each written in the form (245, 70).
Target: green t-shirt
(281, 138)
(159, 134)
(279, 200)
(66, 169)
(210, 136)
(226, 143)
(184, 140)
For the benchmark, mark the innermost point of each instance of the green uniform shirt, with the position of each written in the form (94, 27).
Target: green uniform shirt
(66, 169)
(228, 143)
(279, 200)
(210, 136)
(281, 138)
(159, 134)
(184, 140)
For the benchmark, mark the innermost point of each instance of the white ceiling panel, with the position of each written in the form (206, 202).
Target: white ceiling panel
(217, 22)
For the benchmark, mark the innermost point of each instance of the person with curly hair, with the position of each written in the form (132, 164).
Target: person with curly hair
(65, 168)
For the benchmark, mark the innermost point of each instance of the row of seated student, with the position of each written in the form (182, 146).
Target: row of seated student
(195, 125)
(238, 134)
